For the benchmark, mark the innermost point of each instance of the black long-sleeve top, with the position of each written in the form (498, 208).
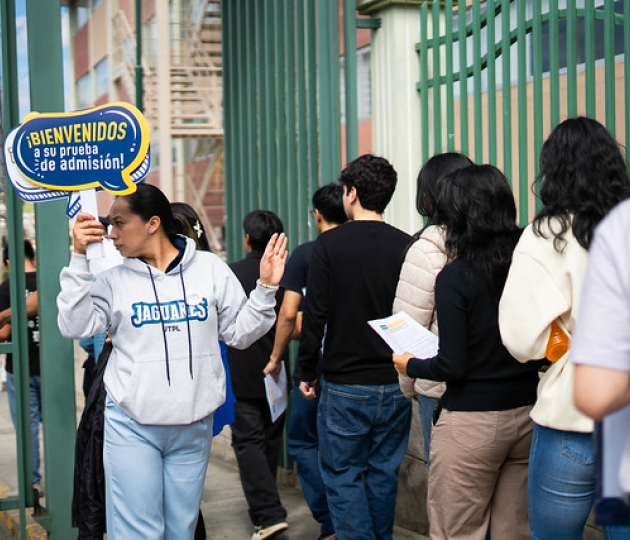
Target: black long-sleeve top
(352, 279)
(479, 372)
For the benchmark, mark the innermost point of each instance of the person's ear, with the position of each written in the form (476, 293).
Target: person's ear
(153, 224)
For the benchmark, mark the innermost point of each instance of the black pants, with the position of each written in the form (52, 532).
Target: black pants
(257, 441)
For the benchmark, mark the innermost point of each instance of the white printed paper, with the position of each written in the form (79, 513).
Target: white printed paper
(277, 396)
(403, 334)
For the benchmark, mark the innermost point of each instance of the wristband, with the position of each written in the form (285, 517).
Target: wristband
(265, 286)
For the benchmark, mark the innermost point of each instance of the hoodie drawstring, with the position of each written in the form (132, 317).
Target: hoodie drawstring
(157, 299)
(190, 356)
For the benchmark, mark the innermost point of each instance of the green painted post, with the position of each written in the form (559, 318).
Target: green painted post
(350, 70)
(554, 63)
(538, 99)
(463, 76)
(57, 353)
(523, 177)
(289, 190)
(423, 86)
(477, 112)
(571, 46)
(507, 89)
(300, 232)
(448, 61)
(609, 65)
(19, 346)
(328, 84)
(589, 60)
(311, 110)
(492, 86)
(437, 89)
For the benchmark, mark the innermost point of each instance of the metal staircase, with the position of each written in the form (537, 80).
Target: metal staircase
(196, 97)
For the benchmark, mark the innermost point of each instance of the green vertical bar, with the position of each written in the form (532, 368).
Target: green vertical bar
(10, 119)
(424, 80)
(523, 180)
(328, 83)
(463, 76)
(609, 65)
(437, 87)
(507, 89)
(230, 52)
(251, 180)
(589, 60)
(260, 90)
(279, 201)
(298, 234)
(626, 69)
(350, 70)
(57, 353)
(314, 165)
(477, 112)
(268, 112)
(571, 59)
(538, 94)
(554, 63)
(289, 186)
(492, 86)
(449, 90)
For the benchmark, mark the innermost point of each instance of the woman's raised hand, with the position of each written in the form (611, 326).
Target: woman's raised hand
(87, 229)
(273, 260)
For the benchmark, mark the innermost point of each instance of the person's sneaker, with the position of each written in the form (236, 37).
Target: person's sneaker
(37, 486)
(327, 536)
(270, 531)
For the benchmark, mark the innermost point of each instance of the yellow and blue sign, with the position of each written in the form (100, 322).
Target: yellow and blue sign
(50, 156)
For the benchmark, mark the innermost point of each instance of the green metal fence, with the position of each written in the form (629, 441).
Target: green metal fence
(57, 359)
(498, 75)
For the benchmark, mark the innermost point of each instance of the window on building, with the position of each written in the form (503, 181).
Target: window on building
(83, 94)
(101, 74)
(83, 14)
(364, 85)
(96, 4)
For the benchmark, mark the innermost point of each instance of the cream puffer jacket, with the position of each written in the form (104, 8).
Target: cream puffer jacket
(415, 295)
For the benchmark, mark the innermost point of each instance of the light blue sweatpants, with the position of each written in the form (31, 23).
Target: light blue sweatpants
(154, 476)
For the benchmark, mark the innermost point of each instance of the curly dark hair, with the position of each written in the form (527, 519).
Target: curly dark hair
(374, 178)
(583, 175)
(477, 207)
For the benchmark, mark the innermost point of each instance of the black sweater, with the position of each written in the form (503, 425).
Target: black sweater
(479, 372)
(352, 279)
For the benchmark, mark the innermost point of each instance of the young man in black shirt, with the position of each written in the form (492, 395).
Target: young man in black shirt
(363, 420)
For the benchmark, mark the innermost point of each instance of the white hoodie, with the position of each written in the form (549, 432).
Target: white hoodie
(165, 367)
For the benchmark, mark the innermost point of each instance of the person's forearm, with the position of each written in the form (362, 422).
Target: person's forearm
(600, 391)
(284, 333)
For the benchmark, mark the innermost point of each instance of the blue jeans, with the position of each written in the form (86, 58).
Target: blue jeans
(303, 447)
(154, 476)
(426, 406)
(35, 400)
(363, 435)
(561, 485)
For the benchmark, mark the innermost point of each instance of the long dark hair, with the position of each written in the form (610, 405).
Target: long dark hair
(477, 207)
(583, 175)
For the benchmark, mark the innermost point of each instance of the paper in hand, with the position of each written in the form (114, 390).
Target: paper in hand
(403, 334)
(277, 396)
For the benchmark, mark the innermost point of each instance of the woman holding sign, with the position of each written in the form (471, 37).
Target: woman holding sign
(482, 430)
(165, 309)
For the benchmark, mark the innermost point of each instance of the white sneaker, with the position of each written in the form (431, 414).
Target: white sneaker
(271, 531)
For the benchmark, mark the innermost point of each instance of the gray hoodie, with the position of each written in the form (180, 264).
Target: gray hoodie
(165, 367)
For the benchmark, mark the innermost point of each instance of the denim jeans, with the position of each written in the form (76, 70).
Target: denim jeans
(426, 406)
(561, 485)
(35, 400)
(154, 476)
(303, 447)
(363, 435)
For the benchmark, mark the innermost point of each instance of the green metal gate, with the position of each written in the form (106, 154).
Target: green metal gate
(498, 75)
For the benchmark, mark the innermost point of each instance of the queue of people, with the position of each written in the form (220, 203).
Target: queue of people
(509, 447)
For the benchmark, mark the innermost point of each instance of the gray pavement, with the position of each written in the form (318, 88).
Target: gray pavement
(223, 504)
